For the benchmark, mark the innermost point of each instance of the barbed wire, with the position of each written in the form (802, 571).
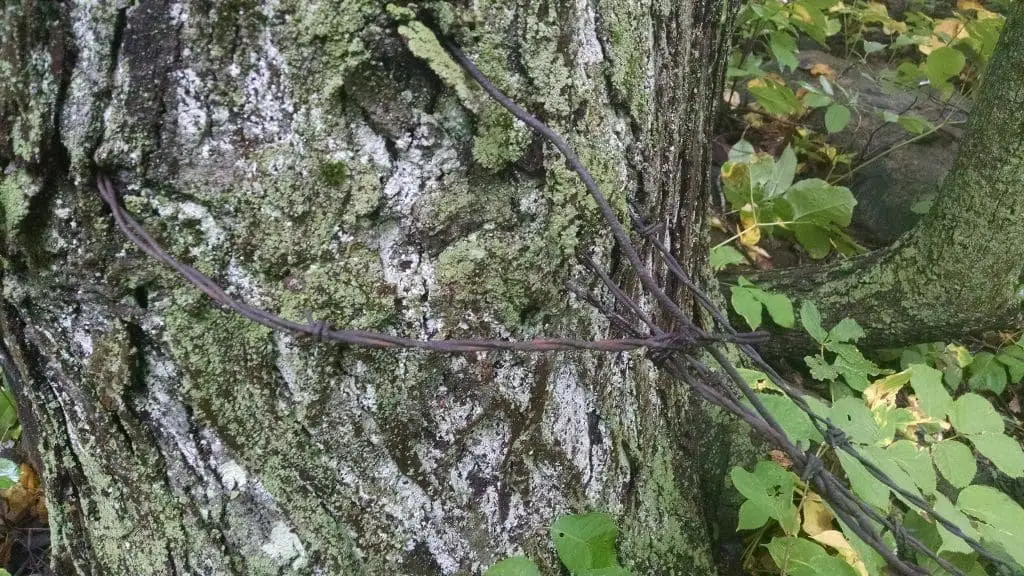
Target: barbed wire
(677, 352)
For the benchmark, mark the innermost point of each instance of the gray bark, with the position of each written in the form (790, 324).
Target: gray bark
(323, 158)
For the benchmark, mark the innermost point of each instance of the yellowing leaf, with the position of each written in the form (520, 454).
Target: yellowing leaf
(822, 69)
(943, 34)
(884, 390)
(835, 539)
(750, 233)
(817, 516)
(891, 27)
(802, 14)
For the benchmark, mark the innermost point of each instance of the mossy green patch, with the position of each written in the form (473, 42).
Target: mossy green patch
(500, 139)
(424, 44)
(16, 189)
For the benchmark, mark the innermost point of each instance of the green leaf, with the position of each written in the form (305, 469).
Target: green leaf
(872, 47)
(998, 511)
(986, 373)
(836, 118)
(816, 100)
(802, 557)
(811, 321)
(1013, 359)
(853, 417)
(950, 542)
(943, 64)
(775, 98)
(847, 330)
(891, 420)
(852, 365)
(10, 474)
(916, 462)
(747, 306)
(955, 461)
(725, 255)
(1003, 451)
(742, 151)
(795, 422)
(973, 414)
(932, 396)
(914, 124)
(783, 47)
(863, 484)
(585, 541)
(880, 458)
(816, 201)
(770, 488)
(751, 516)
(514, 566)
(873, 561)
(779, 307)
(820, 370)
(609, 571)
(784, 172)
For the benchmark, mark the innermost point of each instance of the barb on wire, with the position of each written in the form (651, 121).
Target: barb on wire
(677, 352)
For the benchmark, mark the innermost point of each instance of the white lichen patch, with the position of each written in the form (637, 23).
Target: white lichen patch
(232, 475)
(588, 50)
(285, 548)
(569, 404)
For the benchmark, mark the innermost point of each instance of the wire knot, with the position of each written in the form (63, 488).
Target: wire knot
(812, 468)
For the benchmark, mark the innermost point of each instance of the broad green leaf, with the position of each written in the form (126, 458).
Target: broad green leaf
(779, 307)
(815, 239)
(1013, 359)
(873, 561)
(810, 318)
(774, 97)
(997, 510)
(863, 484)
(955, 461)
(872, 47)
(783, 47)
(770, 488)
(794, 555)
(880, 458)
(973, 414)
(853, 417)
(751, 516)
(914, 124)
(784, 172)
(725, 255)
(830, 565)
(836, 118)
(585, 541)
(932, 396)
(514, 566)
(816, 100)
(916, 462)
(736, 184)
(952, 543)
(741, 151)
(1002, 450)
(747, 306)
(816, 201)
(820, 370)
(847, 330)
(852, 365)
(10, 474)
(986, 373)
(891, 420)
(795, 422)
(943, 63)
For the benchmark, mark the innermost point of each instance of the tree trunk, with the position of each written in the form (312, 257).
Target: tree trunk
(328, 159)
(959, 270)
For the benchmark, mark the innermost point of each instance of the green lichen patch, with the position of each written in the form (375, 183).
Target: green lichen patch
(500, 138)
(16, 190)
(424, 44)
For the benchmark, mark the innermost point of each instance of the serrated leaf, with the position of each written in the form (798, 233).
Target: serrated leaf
(955, 461)
(795, 422)
(986, 373)
(779, 307)
(770, 488)
(999, 512)
(783, 47)
(863, 484)
(837, 117)
(852, 417)
(751, 516)
(585, 541)
(852, 365)
(950, 542)
(973, 414)
(820, 370)
(847, 330)
(514, 566)
(810, 318)
(880, 458)
(932, 396)
(916, 462)
(725, 255)
(1002, 450)
(775, 98)
(746, 305)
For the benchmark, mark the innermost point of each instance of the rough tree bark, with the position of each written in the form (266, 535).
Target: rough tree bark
(959, 270)
(326, 158)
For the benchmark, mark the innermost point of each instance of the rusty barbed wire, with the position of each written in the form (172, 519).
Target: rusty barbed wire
(677, 352)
